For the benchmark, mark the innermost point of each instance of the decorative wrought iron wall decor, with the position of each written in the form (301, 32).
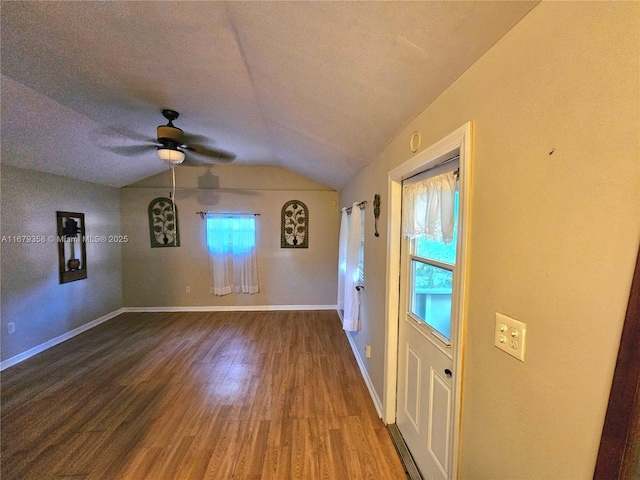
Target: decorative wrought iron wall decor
(294, 225)
(72, 252)
(376, 211)
(163, 224)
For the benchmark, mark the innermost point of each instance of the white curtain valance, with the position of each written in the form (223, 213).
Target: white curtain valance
(429, 208)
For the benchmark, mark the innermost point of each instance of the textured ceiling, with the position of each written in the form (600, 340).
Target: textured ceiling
(315, 87)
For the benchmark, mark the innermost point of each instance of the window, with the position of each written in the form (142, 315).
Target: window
(432, 248)
(224, 233)
(231, 241)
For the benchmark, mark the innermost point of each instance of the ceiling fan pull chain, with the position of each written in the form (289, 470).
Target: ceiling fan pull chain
(173, 204)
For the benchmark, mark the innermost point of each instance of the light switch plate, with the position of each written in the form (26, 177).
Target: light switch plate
(510, 336)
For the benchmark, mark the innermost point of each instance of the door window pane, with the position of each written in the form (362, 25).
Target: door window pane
(437, 250)
(430, 299)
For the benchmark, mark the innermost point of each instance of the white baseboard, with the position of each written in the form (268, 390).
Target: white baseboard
(230, 308)
(365, 375)
(9, 362)
(77, 331)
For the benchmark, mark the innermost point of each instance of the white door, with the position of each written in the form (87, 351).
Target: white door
(425, 359)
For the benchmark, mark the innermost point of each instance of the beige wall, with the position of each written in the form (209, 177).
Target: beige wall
(554, 233)
(156, 277)
(32, 298)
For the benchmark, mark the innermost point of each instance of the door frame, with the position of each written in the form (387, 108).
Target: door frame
(457, 142)
(619, 453)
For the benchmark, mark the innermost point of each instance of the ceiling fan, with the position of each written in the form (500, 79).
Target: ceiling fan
(173, 141)
(171, 144)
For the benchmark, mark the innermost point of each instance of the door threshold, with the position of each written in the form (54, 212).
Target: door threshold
(410, 467)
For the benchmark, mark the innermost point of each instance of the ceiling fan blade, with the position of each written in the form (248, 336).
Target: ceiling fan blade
(190, 162)
(211, 152)
(110, 134)
(189, 138)
(132, 150)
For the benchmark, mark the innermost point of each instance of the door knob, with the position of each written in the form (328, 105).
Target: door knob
(447, 372)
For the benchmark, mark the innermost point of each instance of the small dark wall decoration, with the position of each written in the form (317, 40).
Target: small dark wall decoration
(163, 226)
(295, 225)
(72, 252)
(376, 211)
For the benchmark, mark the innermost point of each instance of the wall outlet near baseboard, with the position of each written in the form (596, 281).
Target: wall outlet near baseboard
(11, 327)
(367, 351)
(188, 289)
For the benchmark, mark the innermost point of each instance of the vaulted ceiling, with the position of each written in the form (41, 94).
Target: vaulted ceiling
(316, 87)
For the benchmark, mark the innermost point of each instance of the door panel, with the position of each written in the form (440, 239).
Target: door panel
(439, 421)
(413, 386)
(424, 399)
(425, 359)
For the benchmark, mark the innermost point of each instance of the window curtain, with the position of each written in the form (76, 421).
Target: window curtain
(232, 254)
(429, 206)
(342, 256)
(351, 318)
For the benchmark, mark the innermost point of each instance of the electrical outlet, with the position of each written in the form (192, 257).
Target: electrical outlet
(510, 335)
(367, 351)
(188, 289)
(11, 327)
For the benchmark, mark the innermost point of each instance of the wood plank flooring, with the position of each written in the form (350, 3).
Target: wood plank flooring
(243, 395)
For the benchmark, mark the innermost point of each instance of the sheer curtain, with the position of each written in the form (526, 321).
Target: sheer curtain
(342, 256)
(351, 318)
(429, 208)
(232, 253)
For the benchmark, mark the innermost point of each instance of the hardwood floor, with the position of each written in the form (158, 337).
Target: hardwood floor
(243, 395)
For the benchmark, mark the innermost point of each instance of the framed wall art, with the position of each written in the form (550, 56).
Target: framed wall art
(294, 225)
(163, 223)
(72, 251)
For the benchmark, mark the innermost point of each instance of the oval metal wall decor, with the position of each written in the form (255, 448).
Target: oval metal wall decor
(294, 225)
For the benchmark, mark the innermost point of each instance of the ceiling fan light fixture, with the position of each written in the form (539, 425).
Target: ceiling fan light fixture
(172, 156)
